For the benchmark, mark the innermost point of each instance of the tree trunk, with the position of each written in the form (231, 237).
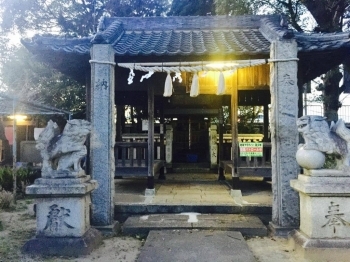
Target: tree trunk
(331, 94)
(329, 17)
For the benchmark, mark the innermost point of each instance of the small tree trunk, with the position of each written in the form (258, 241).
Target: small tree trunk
(331, 94)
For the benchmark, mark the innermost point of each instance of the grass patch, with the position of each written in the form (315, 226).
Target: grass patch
(26, 216)
(9, 248)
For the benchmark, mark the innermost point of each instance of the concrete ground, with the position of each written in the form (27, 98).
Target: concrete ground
(194, 189)
(204, 190)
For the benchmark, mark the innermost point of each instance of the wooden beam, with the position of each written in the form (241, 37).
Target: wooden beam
(191, 111)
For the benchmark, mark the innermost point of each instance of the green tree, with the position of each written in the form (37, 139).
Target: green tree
(237, 7)
(329, 15)
(248, 116)
(72, 17)
(194, 7)
(21, 74)
(27, 79)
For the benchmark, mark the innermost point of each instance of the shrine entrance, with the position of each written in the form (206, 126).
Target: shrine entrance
(191, 139)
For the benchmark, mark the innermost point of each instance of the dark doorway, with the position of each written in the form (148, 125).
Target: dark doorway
(191, 139)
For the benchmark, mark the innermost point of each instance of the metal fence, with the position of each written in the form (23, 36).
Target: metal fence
(343, 112)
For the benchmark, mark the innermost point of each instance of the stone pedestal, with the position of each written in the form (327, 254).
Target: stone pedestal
(324, 233)
(63, 217)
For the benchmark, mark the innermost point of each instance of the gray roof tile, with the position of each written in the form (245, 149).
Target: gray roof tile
(210, 35)
(136, 38)
(169, 36)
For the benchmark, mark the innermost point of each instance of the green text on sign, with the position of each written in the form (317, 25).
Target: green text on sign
(251, 149)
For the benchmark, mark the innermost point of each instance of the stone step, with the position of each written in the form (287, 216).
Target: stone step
(193, 246)
(190, 168)
(248, 225)
(124, 210)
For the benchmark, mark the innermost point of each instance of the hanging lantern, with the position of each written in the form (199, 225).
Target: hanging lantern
(168, 87)
(221, 84)
(194, 86)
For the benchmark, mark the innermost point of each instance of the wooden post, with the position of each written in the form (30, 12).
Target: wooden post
(150, 175)
(266, 123)
(221, 142)
(161, 140)
(119, 129)
(234, 130)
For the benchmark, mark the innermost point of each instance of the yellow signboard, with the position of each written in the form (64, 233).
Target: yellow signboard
(251, 149)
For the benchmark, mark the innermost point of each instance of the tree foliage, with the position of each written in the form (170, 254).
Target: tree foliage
(27, 79)
(194, 7)
(22, 75)
(248, 116)
(237, 7)
(330, 16)
(80, 18)
(73, 17)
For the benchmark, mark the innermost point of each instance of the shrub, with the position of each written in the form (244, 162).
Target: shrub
(25, 176)
(6, 179)
(6, 199)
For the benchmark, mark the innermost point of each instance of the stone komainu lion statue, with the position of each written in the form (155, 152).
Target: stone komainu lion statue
(330, 140)
(62, 153)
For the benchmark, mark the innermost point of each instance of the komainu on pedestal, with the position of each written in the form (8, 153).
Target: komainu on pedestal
(63, 194)
(324, 190)
(62, 153)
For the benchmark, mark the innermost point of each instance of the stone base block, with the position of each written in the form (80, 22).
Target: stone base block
(276, 230)
(324, 205)
(110, 230)
(64, 246)
(237, 196)
(150, 192)
(334, 249)
(63, 216)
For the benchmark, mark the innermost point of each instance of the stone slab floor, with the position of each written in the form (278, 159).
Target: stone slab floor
(193, 189)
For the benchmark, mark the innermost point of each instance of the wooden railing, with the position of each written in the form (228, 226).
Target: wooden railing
(131, 159)
(131, 154)
(247, 166)
(143, 137)
(255, 166)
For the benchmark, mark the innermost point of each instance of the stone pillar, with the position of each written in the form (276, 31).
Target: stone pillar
(169, 146)
(284, 136)
(213, 146)
(102, 141)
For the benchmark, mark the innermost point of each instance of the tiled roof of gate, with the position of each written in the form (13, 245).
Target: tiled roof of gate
(190, 35)
(135, 36)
